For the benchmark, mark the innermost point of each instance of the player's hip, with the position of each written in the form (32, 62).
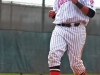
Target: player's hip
(60, 29)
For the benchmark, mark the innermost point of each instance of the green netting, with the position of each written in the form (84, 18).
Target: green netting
(27, 52)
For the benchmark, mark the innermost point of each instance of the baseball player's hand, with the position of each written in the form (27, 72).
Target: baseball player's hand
(74, 1)
(52, 14)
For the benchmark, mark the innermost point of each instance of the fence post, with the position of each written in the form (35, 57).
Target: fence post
(43, 15)
(0, 11)
(11, 15)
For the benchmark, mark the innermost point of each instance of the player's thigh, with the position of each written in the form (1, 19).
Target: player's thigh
(57, 49)
(75, 48)
(57, 42)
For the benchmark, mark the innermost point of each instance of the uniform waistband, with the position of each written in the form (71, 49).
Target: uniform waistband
(69, 24)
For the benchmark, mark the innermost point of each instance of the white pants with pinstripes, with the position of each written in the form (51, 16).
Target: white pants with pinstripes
(71, 39)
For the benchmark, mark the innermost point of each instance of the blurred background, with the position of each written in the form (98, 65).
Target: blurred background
(25, 31)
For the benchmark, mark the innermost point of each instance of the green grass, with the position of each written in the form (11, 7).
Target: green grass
(37, 74)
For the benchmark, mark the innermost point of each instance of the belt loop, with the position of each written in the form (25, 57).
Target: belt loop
(72, 24)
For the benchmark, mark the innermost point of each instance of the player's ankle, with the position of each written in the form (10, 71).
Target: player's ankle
(54, 72)
(83, 73)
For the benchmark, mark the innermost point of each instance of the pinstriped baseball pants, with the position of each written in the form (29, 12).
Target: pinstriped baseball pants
(71, 39)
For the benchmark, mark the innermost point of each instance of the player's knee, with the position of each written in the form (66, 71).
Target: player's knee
(50, 58)
(53, 59)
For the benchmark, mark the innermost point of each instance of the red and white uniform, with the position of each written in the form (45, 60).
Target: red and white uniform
(71, 38)
(67, 12)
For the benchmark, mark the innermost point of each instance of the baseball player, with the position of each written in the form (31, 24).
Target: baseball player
(70, 19)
